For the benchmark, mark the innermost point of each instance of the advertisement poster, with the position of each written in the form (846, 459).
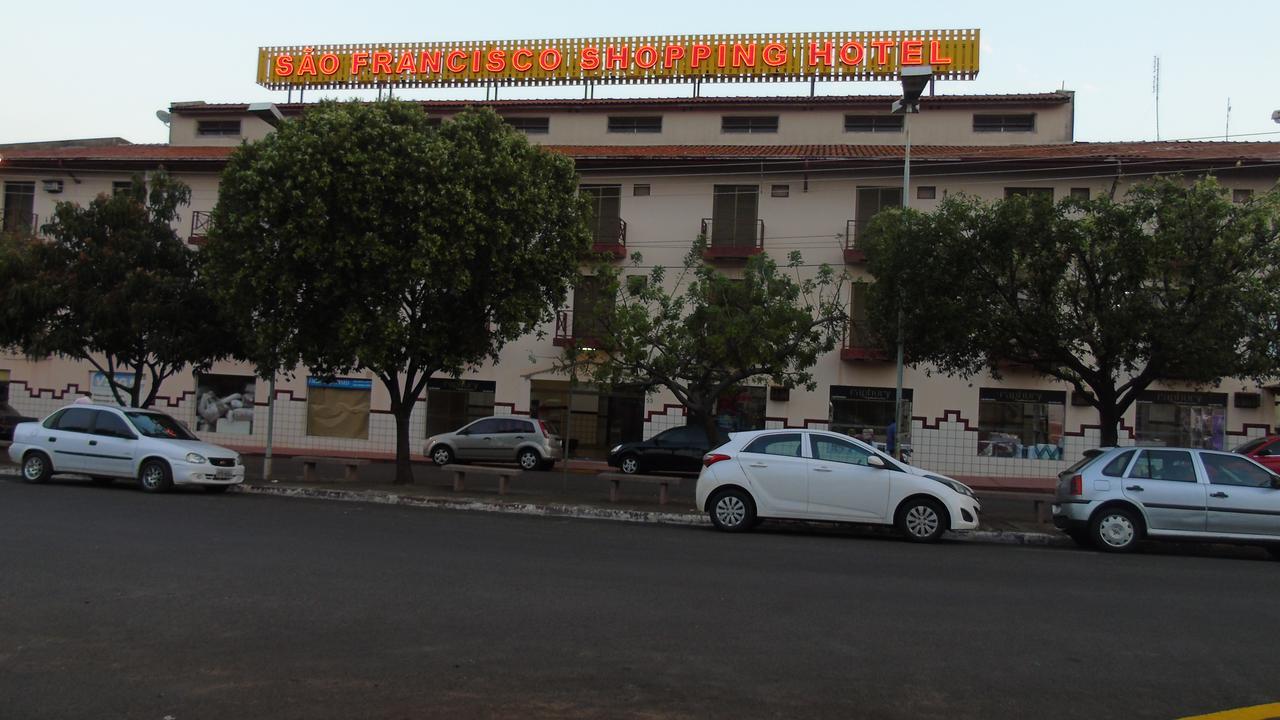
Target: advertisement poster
(100, 389)
(224, 403)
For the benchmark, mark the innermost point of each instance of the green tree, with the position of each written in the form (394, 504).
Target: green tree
(702, 333)
(112, 284)
(360, 236)
(1175, 282)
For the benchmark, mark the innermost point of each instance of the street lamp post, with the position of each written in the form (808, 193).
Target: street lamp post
(914, 80)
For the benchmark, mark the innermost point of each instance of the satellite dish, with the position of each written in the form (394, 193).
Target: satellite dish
(164, 116)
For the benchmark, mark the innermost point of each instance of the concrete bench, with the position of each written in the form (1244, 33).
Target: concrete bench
(460, 473)
(1041, 503)
(350, 466)
(663, 482)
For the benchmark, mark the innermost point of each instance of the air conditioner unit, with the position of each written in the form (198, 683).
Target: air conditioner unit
(52, 186)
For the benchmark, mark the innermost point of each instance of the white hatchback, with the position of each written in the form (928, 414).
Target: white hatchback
(107, 442)
(815, 475)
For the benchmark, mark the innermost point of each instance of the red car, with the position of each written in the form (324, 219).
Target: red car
(1265, 451)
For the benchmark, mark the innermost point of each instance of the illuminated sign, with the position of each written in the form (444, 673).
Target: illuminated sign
(953, 55)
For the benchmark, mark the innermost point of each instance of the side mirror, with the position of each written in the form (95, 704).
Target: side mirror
(463, 431)
(877, 462)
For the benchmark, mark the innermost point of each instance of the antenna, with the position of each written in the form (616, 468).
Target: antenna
(164, 116)
(1155, 88)
(1226, 135)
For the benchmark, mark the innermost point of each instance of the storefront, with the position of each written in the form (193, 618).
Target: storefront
(454, 403)
(590, 421)
(1182, 419)
(1026, 424)
(866, 412)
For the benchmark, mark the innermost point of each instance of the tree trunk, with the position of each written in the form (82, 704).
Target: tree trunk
(1109, 417)
(707, 421)
(404, 466)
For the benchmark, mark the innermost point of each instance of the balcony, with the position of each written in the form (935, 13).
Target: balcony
(199, 227)
(22, 224)
(853, 254)
(565, 335)
(860, 345)
(611, 238)
(733, 241)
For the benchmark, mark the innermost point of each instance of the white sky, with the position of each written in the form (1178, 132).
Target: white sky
(92, 69)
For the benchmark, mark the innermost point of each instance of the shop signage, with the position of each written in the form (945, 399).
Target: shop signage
(1048, 397)
(1176, 397)
(768, 57)
(341, 383)
(876, 394)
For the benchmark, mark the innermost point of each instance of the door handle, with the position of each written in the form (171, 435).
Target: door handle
(53, 439)
(1134, 488)
(822, 469)
(93, 442)
(1218, 494)
(758, 465)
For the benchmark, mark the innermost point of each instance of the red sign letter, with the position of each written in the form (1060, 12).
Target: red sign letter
(744, 55)
(497, 61)
(827, 55)
(912, 52)
(617, 57)
(460, 56)
(381, 63)
(646, 56)
(672, 55)
(406, 64)
(550, 59)
(882, 50)
(852, 52)
(775, 54)
(358, 61)
(429, 60)
(522, 53)
(284, 65)
(700, 52)
(935, 54)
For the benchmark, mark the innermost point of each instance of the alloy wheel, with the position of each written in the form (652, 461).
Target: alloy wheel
(731, 511)
(630, 465)
(33, 468)
(922, 521)
(1116, 530)
(152, 477)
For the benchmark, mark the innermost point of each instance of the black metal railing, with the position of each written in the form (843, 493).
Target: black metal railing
(733, 238)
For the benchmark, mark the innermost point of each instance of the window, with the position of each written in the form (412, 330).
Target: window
(636, 284)
(786, 445)
(19, 206)
(121, 186)
(749, 124)
(640, 190)
(1241, 196)
(741, 409)
(1079, 193)
(1171, 465)
(780, 191)
(1234, 470)
(338, 408)
(591, 306)
(873, 123)
(1251, 447)
(76, 420)
(1116, 467)
(452, 404)
(926, 192)
(1020, 122)
(867, 412)
(435, 121)
(1025, 424)
(870, 201)
(530, 125)
(1029, 192)
(516, 426)
(224, 403)
(1182, 419)
(836, 450)
(606, 212)
(734, 214)
(108, 424)
(158, 425)
(1270, 450)
(688, 435)
(218, 128)
(635, 123)
(489, 426)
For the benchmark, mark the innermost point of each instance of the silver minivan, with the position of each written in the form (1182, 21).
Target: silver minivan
(526, 441)
(1113, 498)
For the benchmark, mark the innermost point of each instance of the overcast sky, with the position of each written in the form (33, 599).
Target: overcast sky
(92, 69)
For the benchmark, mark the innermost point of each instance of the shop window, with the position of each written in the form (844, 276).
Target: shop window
(873, 123)
(1182, 419)
(1023, 424)
(590, 421)
(224, 403)
(741, 408)
(454, 403)
(218, 128)
(338, 408)
(749, 124)
(734, 212)
(1029, 192)
(19, 206)
(1012, 122)
(635, 123)
(530, 125)
(867, 412)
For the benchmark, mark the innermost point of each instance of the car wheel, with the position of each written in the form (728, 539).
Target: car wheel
(218, 489)
(921, 520)
(442, 455)
(630, 464)
(36, 468)
(102, 481)
(1115, 529)
(732, 511)
(155, 476)
(529, 459)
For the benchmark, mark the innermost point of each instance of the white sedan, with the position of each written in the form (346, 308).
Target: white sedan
(815, 475)
(107, 442)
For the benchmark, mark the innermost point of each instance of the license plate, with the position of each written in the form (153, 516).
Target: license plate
(1056, 509)
(224, 474)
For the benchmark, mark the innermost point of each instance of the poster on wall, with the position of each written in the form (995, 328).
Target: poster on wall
(224, 403)
(100, 389)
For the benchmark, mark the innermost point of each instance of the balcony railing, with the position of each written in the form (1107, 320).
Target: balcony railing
(861, 345)
(611, 239)
(566, 335)
(732, 241)
(22, 224)
(199, 227)
(854, 253)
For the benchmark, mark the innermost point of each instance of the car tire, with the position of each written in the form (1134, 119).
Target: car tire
(102, 481)
(921, 520)
(529, 459)
(732, 510)
(36, 468)
(630, 464)
(155, 476)
(217, 489)
(1115, 529)
(442, 455)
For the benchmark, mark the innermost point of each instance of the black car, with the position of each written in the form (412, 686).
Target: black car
(9, 418)
(675, 450)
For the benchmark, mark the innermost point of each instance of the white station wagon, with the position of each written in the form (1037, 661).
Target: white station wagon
(107, 443)
(815, 475)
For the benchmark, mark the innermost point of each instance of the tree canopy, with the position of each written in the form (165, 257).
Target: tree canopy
(113, 284)
(704, 332)
(361, 235)
(1174, 282)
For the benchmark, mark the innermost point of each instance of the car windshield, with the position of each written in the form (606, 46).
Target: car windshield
(159, 425)
(1250, 446)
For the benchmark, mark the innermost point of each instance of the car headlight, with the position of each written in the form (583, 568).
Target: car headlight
(956, 486)
(615, 449)
(195, 458)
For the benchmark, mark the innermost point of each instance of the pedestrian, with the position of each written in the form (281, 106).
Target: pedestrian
(891, 438)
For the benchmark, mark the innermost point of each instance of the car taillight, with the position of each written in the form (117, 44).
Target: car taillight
(545, 431)
(1077, 484)
(712, 458)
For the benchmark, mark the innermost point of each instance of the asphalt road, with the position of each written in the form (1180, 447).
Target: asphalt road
(117, 604)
